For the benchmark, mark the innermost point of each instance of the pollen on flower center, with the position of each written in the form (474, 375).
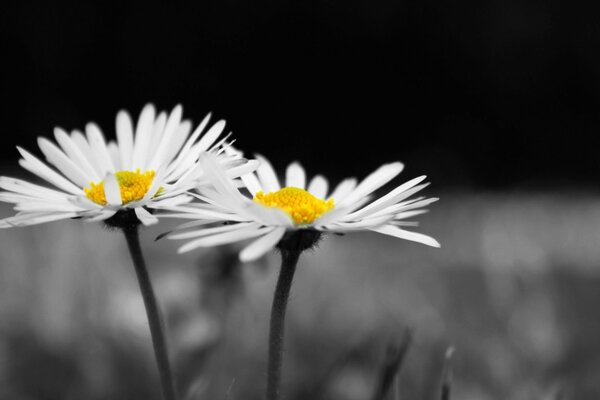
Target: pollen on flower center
(133, 185)
(303, 207)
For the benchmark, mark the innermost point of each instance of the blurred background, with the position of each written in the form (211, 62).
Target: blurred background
(496, 101)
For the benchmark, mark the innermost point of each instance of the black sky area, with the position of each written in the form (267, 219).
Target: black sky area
(493, 94)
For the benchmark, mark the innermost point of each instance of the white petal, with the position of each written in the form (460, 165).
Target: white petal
(318, 187)
(157, 182)
(262, 245)
(197, 213)
(143, 136)
(374, 181)
(76, 155)
(271, 216)
(209, 138)
(30, 189)
(112, 192)
(124, 128)
(176, 142)
(224, 238)
(158, 130)
(35, 166)
(295, 176)
(63, 163)
(211, 231)
(267, 176)
(405, 206)
(217, 176)
(189, 143)
(113, 150)
(402, 234)
(46, 206)
(252, 183)
(400, 193)
(357, 225)
(171, 201)
(244, 169)
(81, 142)
(409, 214)
(163, 147)
(145, 217)
(34, 219)
(98, 147)
(343, 189)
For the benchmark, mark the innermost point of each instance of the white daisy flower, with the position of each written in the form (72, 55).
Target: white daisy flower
(150, 165)
(275, 214)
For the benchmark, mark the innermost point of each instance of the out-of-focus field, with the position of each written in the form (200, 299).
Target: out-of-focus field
(515, 289)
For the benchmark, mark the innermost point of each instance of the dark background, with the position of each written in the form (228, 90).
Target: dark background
(494, 94)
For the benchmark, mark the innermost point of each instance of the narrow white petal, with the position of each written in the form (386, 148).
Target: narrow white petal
(112, 192)
(57, 158)
(99, 148)
(28, 219)
(170, 129)
(145, 217)
(343, 189)
(176, 142)
(113, 150)
(155, 138)
(271, 216)
(76, 155)
(295, 176)
(266, 175)
(318, 187)
(124, 128)
(189, 143)
(46, 206)
(244, 169)
(402, 234)
(209, 138)
(35, 166)
(30, 189)
(400, 193)
(171, 201)
(217, 176)
(252, 183)
(177, 235)
(81, 142)
(143, 136)
(197, 213)
(262, 245)
(224, 238)
(409, 214)
(405, 206)
(340, 226)
(155, 186)
(374, 181)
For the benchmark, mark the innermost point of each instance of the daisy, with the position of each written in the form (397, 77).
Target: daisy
(150, 165)
(275, 214)
(293, 218)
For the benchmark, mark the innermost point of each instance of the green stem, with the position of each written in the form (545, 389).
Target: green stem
(153, 313)
(289, 260)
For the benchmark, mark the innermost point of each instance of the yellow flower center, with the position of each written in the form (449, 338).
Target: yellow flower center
(133, 186)
(302, 206)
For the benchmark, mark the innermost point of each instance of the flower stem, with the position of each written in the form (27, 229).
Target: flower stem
(153, 313)
(289, 260)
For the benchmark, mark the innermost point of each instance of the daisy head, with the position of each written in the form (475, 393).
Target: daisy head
(292, 216)
(150, 164)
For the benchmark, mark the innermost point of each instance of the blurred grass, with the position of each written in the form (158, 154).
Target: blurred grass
(515, 289)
